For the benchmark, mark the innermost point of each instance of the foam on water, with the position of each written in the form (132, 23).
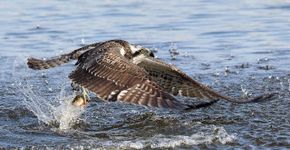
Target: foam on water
(216, 134)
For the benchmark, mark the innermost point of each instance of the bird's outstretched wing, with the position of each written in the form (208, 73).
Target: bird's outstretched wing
(113, 77)
(39, 64)
(176, 82)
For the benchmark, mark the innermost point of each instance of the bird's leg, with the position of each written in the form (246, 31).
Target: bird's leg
(85, 94)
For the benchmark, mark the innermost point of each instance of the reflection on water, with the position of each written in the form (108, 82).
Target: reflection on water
(236, 47)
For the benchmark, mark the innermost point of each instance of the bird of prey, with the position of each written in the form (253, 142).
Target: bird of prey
(116, 70)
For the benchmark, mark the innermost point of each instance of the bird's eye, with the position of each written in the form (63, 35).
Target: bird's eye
(151, 54)
(136, 53)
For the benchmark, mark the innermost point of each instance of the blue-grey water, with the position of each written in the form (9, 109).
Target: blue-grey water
(239, 48)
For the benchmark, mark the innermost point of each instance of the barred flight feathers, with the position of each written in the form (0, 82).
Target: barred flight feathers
(116, 70)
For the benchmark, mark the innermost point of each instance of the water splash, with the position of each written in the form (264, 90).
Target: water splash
(57, 112)
(245, 91)
(173, 51)
(216, 134)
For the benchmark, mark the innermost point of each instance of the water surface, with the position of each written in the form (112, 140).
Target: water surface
(238, 48)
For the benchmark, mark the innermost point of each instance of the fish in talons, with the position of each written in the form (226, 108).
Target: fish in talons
(82, 99)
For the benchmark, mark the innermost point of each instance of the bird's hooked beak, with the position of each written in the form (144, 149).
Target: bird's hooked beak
(151, 54)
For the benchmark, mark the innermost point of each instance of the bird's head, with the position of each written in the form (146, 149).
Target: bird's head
(132, 50)
(137, 50)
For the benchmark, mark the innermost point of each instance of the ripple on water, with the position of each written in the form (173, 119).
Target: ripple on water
(214, 135)
(236, 47)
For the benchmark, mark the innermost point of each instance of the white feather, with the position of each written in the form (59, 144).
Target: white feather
(138, 59)
(122, 51)
(134, 48)
(121, 94)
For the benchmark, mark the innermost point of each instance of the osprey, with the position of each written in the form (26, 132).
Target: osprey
(116, 70)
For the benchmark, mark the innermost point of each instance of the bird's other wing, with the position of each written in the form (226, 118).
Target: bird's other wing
(174, 81)
(111, 76)
(39, 64)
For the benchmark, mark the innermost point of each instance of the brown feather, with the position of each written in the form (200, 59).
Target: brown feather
(103, 71)
(39, 64)
(176, 82)
(168, 76)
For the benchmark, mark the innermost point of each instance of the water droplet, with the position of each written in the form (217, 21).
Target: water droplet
(37, 27)
(154, 49)
(50, 89)
(83, 41)
(227, 69)
(245, 92)
(281, 84)
(217, 74)
(43, 75)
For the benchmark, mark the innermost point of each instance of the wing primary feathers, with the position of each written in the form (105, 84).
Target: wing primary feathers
(176, 82)
(151, 95)
(256, 99)
(259, 98)
(39, 64)
(201, 105)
